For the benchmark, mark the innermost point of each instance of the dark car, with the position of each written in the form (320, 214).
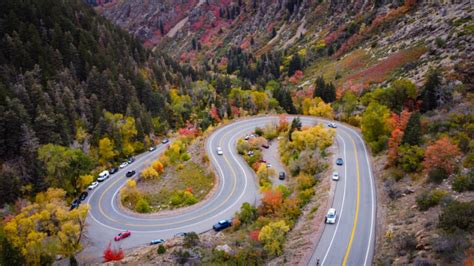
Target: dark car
(266, 146)
(339, 161)
(131, 160)
(221, 225)
(164, 141)
(83, 196)
(74, 204)
(130, 173)
(113, 170)
(282, 176)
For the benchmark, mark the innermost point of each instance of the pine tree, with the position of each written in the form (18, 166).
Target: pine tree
(412, 133)
(429, 95)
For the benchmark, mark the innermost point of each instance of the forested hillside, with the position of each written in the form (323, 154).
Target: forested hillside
(69, 77)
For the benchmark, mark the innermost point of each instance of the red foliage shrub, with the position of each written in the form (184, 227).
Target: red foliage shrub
(441, 154)
(271, 202)
(296, 77)
(214, 114)
(111, 254)
(254, 234)
(398, 124)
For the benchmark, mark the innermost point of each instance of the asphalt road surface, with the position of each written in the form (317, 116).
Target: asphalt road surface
(350, 241)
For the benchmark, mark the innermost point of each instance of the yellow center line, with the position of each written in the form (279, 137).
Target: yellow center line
(181, 221)
(356, 217)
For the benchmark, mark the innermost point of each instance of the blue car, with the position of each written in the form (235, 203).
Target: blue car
(221, 225)
(157, 241)
(339, 161)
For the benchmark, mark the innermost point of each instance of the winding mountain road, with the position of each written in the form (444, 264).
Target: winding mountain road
(350, 241)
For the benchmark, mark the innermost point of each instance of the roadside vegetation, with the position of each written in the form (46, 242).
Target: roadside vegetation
(178, 178)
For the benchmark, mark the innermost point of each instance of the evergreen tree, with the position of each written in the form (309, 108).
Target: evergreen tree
(429, 94)
(295, 64)
(412, 134)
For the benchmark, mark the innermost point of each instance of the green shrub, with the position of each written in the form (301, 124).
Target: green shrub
(259, 131)
(191, 239)
(185, 157)
(457, 215)
(410, 158)
(429, 199)
(437, 175)
(451, 247)
(182, 198)
(161, 249)
(142, 206)
(463, 183)
(305, 196)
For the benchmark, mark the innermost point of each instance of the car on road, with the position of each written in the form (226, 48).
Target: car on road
(339, 161)
(335, 176)
(131, 160)
(164, 141)
(282, 176)
(74, 204)
(157, 241)
(83, 196)
(103, 175)
(219, 151)
(113, 170)
(332, 125)
(331, 216)
(122, 235)
(93, 185)
(130, 173)
(180, 234)
(123, 165)
(266, 146)
(221, 225)
(152, 148)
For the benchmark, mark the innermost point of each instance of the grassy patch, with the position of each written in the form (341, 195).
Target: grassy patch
(190, 177)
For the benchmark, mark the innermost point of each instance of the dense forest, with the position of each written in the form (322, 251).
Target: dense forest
(64, 72)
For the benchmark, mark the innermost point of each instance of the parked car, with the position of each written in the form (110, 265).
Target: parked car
(130, 173)
(122, 235)
(250, 153)
(93, 185)
(247, 137)
(152, 148)
(164, 141)
(269, 165)
(332, 125)
(266, 146)
(335, 176)
(123, 165)
(219, 151)
(157, 241)
(221, 225)
(113, 170)
(339, 161)
(180, 234)
(103, 175)
(131, 160)
(282, 176)
(74, 204)
(83, 196)
(331, 216)
(263, 161)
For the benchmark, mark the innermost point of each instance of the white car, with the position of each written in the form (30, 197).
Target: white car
(103, 175)
(219, 151)
(269, 165)
(93, 185)
(123, 165)
(332, 125)
(335, 176)
(247, 137)
(331, 216)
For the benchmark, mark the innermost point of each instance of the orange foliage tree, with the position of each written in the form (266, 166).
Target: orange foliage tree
(441, 154)
(398, 124)
(271, 202)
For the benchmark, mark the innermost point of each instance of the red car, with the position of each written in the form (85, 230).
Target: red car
(122, 235)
